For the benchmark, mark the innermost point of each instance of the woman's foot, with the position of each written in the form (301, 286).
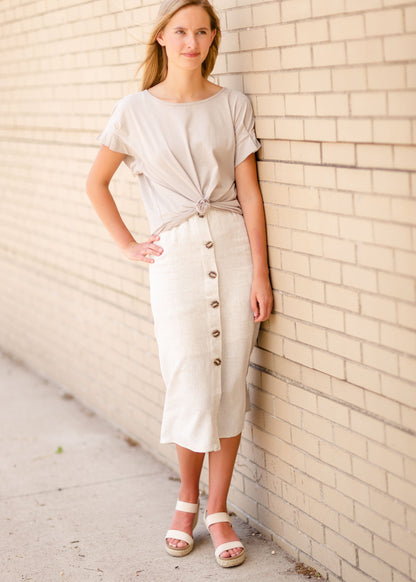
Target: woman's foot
(222, 533)
(182, 521)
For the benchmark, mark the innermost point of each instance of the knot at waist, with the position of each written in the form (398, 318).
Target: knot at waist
(202, 206)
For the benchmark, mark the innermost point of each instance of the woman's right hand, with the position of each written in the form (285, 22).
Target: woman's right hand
(139, 251)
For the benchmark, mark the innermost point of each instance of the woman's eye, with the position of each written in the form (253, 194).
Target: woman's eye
(179, 32)
(202, 32)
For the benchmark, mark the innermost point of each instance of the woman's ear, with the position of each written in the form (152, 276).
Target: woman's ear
(160, 39)
(213, 33)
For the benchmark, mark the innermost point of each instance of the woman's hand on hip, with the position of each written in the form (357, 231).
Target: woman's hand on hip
(261, 298)
(143, 251)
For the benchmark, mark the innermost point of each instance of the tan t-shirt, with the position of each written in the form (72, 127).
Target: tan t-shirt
(184, 154)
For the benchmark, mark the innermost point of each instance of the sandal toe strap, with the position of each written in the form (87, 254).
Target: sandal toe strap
(227, 546)
(220, 517)
(179, 535)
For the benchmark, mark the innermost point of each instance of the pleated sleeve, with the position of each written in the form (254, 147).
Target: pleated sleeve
(246, 141)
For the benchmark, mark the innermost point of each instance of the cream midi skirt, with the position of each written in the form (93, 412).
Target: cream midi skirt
(200, 296)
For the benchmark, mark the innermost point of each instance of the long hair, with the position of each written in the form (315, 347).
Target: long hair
(155, 65)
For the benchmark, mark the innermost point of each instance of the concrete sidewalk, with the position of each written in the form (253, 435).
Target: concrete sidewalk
(99, 509)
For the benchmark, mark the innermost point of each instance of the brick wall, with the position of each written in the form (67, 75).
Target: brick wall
(328, 459)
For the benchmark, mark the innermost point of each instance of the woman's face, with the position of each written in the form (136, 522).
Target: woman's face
(187, 38)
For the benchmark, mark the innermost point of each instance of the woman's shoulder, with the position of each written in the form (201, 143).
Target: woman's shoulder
(130, 101)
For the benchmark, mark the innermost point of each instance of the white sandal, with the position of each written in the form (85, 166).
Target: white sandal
(181, 535)
(232, 560)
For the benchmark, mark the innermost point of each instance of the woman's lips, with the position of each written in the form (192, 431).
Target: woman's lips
(191, 55)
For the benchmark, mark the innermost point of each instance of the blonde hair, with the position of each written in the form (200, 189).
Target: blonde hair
(155, 65)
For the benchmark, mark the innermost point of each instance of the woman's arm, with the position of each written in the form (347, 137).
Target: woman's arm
(249, 196)
(103, 169)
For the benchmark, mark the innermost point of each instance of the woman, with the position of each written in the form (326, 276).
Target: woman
(192, 146)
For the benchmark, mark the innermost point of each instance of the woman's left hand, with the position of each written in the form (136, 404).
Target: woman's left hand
(261, 298)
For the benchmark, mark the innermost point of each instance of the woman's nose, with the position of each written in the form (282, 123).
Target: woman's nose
(191, 40)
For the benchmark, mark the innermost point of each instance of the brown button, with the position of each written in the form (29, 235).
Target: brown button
(214, 304)
(217, 362)
(216, 332)
(212, 274)
(201, 215)
(209, 244)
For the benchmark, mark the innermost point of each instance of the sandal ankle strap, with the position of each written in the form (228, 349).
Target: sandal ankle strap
(219, 517)
(188, 507)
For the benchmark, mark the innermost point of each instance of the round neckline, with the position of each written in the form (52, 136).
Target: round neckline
(184, 102)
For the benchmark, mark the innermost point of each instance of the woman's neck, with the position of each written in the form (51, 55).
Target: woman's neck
(184, 88)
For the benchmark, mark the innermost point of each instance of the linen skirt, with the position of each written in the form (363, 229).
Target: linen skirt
(200, 296)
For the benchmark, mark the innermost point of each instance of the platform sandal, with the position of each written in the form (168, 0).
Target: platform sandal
(181, 535)
(225, 562)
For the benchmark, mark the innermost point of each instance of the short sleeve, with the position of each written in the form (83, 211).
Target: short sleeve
(246, 142)
(116, 133)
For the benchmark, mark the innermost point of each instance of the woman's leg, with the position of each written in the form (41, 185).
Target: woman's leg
(221, 465)
(190, 465)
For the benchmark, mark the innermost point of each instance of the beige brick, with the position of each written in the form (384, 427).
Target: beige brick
(407, 314)
(281, 35)
(398, 338)
(347, 440)
(349, 78)
(374, 156)
(290, 173)
(295, 9)
(297, 352)
(314, 80)
(328, 363)
(376, 256)
(391, 182)
(391, 554)
(363, 376)
(369, 473)
(325, 270)
(265, 60)
(239, 18)
(402, 103)
(320, 8)
(398, 235)
(306, 242)
(335, 457)
(304, 198)
(285, 82)
(308, 152)
(355, 130)
(374, 567)
(305, 442)
(292, 217)
(270, 105)
(388, 507)
(346, 27)
(380, 358)
(380, 308)
(401, 441)
(360, 5)
(367, 426)
(386, 77)
(320, 129)
(359, 326)
(384, 457)
(369, 104)
(396, 286)
(404, 262)
(333, 104)
(392, 131)
(338, 154)
(323, 223)
(400, 48)
(358, 229)
(384, 22)
(322, 472)
(353, 488)
(404, 157)
(359, 278)
(297, 308)
(364, 51)
(407, 368)
(266, 14)
(311, 31)
(404, 539)
(311, 335)
(300, 105)
(321, 176)
(289, 129)
(296, 57)
(329, 54)
(340, 545)
(343, 346)
(256, 83)
(239, 61)
(295, 263)
(317, 380)
(317, 426)
(309, 289)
